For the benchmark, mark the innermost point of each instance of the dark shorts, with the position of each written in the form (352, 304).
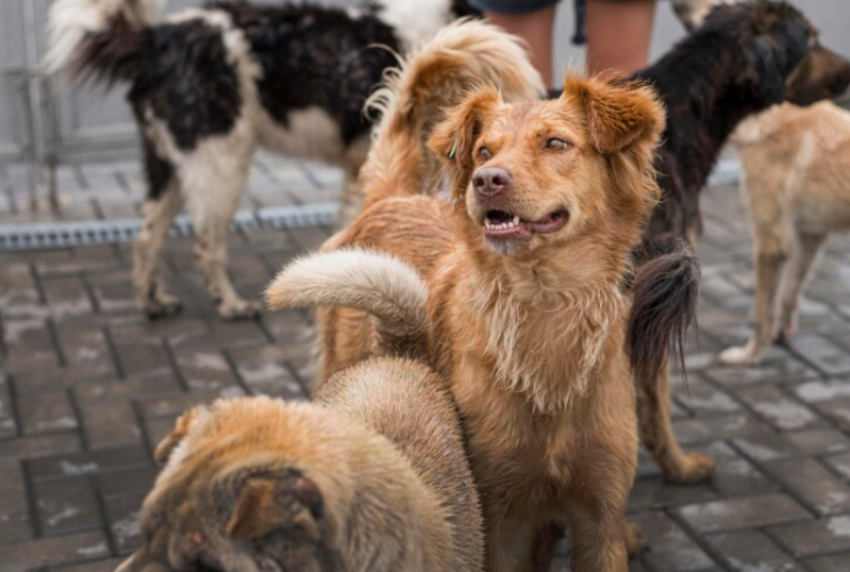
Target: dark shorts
(512, 6)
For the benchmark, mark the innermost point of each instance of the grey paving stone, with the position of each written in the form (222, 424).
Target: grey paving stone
(815, 537)
(823, 354)
(46, 413)
(782, 411)
(123, 514)
(670, 548)
(67, 549)
(750, 551)
(85, 463)
(812, 483)
(744, 512)
(109, 424)
(66, 506)
(837, 563)
(770, 446)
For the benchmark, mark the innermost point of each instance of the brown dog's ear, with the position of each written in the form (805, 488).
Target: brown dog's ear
(292, 503)
(453, 139)
(170, 442)
(618, 115)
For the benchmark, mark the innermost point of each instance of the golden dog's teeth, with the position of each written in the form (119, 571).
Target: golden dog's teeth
(515, 222)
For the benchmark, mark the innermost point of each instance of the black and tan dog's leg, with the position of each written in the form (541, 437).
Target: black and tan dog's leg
(159, 212)
(797, 271)
(656, 431)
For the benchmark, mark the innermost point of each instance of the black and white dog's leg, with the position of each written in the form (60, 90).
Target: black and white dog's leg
(213, 187)
(163, 202)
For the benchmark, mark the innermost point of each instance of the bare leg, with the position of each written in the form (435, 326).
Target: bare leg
(771, 256)
(657, 434)
(797, 272)
(618, 36)
(159, 213)
(536, 28)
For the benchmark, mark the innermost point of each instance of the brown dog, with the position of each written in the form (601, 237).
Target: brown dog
(525, 277)
(372, 477)
(796, 164)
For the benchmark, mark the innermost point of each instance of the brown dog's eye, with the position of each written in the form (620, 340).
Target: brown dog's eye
(484, 154)
(556, 144)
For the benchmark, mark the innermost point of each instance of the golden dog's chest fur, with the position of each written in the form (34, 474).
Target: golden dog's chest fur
(531, 388)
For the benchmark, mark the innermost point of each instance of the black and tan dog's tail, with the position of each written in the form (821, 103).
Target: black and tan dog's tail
(666, 291)
(378, 284)
(102, 40)
(461, 57)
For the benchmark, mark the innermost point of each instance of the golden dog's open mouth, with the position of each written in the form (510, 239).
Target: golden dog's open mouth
(502, 224)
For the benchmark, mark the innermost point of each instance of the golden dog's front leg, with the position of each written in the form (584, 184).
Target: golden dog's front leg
(598, 532)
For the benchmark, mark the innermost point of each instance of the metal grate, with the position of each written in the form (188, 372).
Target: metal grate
(85, 233)
(74, 234)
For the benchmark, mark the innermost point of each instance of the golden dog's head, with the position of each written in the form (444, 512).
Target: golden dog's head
(247, 487)
(548, 172)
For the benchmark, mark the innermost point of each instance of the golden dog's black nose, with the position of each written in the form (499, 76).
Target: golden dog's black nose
(491, 181)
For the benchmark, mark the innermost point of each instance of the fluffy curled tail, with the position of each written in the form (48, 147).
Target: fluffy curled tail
(666, 291)
(376, 283)
(461, 57)
(99, 37)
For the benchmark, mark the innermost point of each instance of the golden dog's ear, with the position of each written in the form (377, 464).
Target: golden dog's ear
(453, 139)
(170, 442)
(618, 115)
(292, 503)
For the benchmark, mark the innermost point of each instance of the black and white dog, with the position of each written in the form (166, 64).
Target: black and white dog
(210, 85)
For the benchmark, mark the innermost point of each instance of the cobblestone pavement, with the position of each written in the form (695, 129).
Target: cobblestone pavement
(89, 386)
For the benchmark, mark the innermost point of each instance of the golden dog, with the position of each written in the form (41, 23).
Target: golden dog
(526, 278)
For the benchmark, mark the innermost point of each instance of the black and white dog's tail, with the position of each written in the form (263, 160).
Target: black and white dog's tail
(461, 57)
(379, 284)
(98, 39)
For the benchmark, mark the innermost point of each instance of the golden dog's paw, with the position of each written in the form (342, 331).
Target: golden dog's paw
(635, 543)
(695, 468)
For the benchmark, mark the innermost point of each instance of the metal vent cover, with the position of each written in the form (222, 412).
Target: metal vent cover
(85, 233)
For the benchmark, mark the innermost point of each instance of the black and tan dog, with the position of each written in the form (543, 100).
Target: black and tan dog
(742, 59)
(372, 476)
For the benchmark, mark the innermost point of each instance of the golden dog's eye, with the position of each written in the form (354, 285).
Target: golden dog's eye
(556, 144)
(484, 154)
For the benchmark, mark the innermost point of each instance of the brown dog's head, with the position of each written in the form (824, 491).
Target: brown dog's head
(785, 60)
(546, 173)
(241, 492)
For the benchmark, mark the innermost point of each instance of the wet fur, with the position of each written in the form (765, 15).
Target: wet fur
(741, 58)
(532, 343)
(208, 86)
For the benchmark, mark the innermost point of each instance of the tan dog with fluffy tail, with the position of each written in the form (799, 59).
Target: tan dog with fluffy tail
(371, 477)
(526, 276)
